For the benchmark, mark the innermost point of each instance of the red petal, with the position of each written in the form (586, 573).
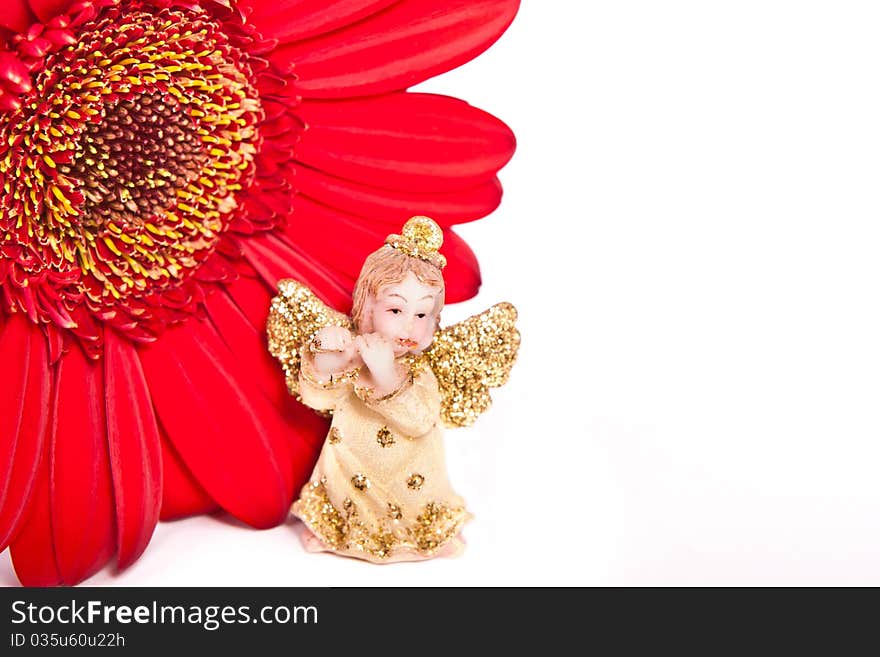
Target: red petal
(228, 435)
(305, 430)
(134, 448)
(238, 312)
(34, 48)
(81, 487)
(462, 273)
(274, 259)
(15, 15)
(46, 10)
(396, 48)
(60, 38)
(387, 206)
(289, 20)
(246, 342)
(181, 494)
(14, 75)
(312, 223)
(55, 338)
(68, 533)
(404, 141)
(341, 242)
(24, 417)
(33, 550)
(252, 295)
(245, 337)
(8, 102)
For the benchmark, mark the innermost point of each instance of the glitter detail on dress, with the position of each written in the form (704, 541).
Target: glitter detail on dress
(346, 532)
(384, 437)
(360, 482)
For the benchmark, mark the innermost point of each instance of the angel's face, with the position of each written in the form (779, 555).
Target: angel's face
(405, 314)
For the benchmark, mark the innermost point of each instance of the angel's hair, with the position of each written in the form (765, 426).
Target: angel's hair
(388, 266)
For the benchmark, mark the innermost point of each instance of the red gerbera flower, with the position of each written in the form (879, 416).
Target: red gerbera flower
(162, 164)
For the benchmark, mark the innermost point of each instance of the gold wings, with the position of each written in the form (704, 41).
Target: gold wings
(470, 357)
(295, 315)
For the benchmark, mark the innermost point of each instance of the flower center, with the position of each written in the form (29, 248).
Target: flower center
(130, 164)
(120, 171)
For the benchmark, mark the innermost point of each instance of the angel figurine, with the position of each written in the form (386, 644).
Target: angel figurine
(389, 377)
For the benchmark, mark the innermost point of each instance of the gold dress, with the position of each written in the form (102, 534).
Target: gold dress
(380, 487)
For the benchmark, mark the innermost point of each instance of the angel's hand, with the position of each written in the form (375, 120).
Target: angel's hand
(330, 339)
(332, 350)
(378, 355)
(376, 352)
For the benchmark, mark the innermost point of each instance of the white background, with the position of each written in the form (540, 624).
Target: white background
(690, 231)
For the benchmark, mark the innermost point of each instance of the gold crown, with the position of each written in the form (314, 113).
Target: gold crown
(421, 238)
